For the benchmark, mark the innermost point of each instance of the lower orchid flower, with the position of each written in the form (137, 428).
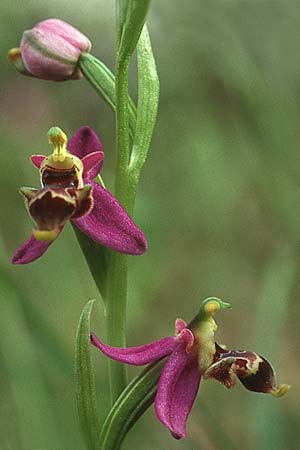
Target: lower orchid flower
(69, 192)
(192, 355)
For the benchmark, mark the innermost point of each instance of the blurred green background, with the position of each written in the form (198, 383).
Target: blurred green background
(219, 203)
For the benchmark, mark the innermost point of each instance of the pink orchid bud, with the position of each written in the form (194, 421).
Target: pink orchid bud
(51, 51)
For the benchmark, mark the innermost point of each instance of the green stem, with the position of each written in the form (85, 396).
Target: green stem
(116, 319)
(118, 264)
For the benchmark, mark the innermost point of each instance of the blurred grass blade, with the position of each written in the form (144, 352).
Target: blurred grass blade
(135, 15)
(32, 422)
(267, 419)
(129, 407)
(103, 80)
(85, 380)
(148, 96)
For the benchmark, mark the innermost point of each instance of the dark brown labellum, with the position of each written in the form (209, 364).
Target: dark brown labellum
(57, 178)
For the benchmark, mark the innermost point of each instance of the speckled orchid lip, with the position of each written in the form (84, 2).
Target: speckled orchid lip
(192, 354)
(69, 192)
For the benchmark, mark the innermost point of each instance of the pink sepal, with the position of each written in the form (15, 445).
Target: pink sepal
(37, 160)
(92, 164)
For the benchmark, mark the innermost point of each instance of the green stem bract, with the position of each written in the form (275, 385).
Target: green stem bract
(122, 132)
(129, 407)
(121, 10)
(103, 80)
(148, 95)
(134, 16)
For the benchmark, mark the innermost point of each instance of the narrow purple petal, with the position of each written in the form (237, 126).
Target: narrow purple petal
(109, 224)
(137, 356)
(92, 164)
(83, 142)
(30, 250)
(37, 160)
(177, 389)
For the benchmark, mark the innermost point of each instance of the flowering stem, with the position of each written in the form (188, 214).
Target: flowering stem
(131, 16)
(127, 177)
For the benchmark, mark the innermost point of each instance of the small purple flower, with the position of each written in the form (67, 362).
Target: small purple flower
(51, 51)
(192, 355)
(69, 192)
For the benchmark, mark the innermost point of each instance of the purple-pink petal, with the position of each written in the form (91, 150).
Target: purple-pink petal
(37, 160)
(57, 63)
(30, 250)
(57, 27)
(177, 389)
(92, 164)
(83, 142)
(109, 224)
(179, 325)
(137, 356)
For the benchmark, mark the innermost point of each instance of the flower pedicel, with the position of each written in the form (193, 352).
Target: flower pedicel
(69, 192)
(193, 354)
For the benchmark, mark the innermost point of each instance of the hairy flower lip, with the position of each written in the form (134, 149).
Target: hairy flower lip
(180, 378)
(99, 215)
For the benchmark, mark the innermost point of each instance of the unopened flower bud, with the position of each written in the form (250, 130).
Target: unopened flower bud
(51, 51)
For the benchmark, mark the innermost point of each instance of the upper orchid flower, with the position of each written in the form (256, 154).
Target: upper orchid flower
(69, 192)
(51, 51)
(193, 354)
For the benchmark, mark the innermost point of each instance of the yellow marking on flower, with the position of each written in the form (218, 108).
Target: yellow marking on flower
(281, 390)
(59, 140)
(14, 53)
(28, 193)
(253, 366)
(205, 338)
(211, 307)
(61, 158)
(45, 235)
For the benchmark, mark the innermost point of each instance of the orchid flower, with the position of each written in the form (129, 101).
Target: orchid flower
(192, 355)
(69, 192)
